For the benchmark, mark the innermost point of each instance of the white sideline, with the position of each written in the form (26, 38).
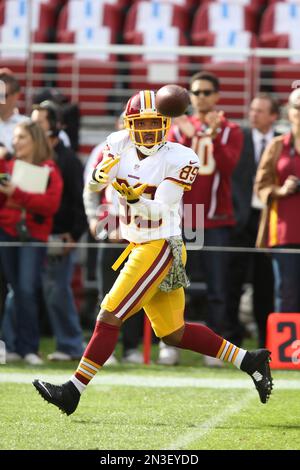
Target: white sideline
(207, 426)
(148, 380)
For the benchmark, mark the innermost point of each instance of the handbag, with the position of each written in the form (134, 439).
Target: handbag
(263, 227)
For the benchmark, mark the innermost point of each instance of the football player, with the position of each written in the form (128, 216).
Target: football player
(150, 176)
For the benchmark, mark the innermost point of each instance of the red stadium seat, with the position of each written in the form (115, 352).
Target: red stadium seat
(279, 19)
(183, 3)
(282, 1)
(254, 4)
(76, 14)
(154, 70)
(119, 3)
(286, 70)
(145, 15)
(238, 75)
(15, 27)
(223, 17)
(87, 77)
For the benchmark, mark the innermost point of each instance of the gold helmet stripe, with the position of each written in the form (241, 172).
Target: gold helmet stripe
(147, 99)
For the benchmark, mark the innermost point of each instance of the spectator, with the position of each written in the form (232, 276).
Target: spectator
(277, 185)
(26, 216)
(218, 144)
(69, 116)
(9, 113)
(263, 113)
(9, 117)
(69, 224)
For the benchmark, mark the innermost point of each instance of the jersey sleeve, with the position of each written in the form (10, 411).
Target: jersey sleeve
(183, 172)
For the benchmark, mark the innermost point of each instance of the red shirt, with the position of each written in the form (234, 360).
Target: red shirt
(284, 226)
(218, 157)
(40, 208)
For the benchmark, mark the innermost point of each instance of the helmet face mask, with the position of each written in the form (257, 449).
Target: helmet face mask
(147, 127)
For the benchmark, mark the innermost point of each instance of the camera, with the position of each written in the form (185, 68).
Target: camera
(4, 178)
(22, 231)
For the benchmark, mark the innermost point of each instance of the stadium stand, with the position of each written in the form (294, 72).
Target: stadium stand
(143, 16)
(101, 82)
(232, 26)
(279, 19)
(17, 30)
(159, 24)
(237, 73)
(88, 24)
(286, 69)
(190, 4)
(225, 17)
(279, 28)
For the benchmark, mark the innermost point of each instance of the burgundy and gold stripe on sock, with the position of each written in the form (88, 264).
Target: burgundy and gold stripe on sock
(228, 352)
(86, 370)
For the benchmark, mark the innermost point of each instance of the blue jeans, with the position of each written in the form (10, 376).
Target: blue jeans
(60, 304)
(216, 268)
(22, 267)
(287, 282)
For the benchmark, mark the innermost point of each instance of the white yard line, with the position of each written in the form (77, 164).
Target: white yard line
(209, 425)
(154, 381)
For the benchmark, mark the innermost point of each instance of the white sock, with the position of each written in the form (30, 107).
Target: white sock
(239, 358)
(79, 385)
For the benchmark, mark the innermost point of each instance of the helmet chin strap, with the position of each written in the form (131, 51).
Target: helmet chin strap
(149, 150)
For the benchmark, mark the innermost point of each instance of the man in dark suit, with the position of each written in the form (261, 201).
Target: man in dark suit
(255, 267)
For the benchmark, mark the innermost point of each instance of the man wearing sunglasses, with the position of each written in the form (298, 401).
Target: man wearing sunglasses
(218, 143)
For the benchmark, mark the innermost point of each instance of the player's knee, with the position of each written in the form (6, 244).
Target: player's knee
(174, 338)
(107, 317)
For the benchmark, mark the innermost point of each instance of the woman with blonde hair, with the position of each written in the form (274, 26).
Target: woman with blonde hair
(278, 186)
(25, 216)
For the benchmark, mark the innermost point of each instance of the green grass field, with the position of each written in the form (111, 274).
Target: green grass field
(151, 407)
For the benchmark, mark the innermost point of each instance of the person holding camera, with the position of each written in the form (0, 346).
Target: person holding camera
(278, 187)
(26, 216)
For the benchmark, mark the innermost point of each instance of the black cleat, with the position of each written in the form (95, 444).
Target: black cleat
(256, 364)
(66, 396)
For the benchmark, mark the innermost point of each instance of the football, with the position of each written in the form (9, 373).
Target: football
(172, 100)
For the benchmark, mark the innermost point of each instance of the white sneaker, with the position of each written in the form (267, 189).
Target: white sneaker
(59, 356)
(33, 359)
(133, 356)
(13, 357)
(212, 361)
(168, 355)
(111, 361)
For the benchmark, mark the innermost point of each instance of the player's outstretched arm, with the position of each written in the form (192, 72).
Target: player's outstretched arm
(101, 175)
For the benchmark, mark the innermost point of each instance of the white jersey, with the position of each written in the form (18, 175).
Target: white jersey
(167, 173)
